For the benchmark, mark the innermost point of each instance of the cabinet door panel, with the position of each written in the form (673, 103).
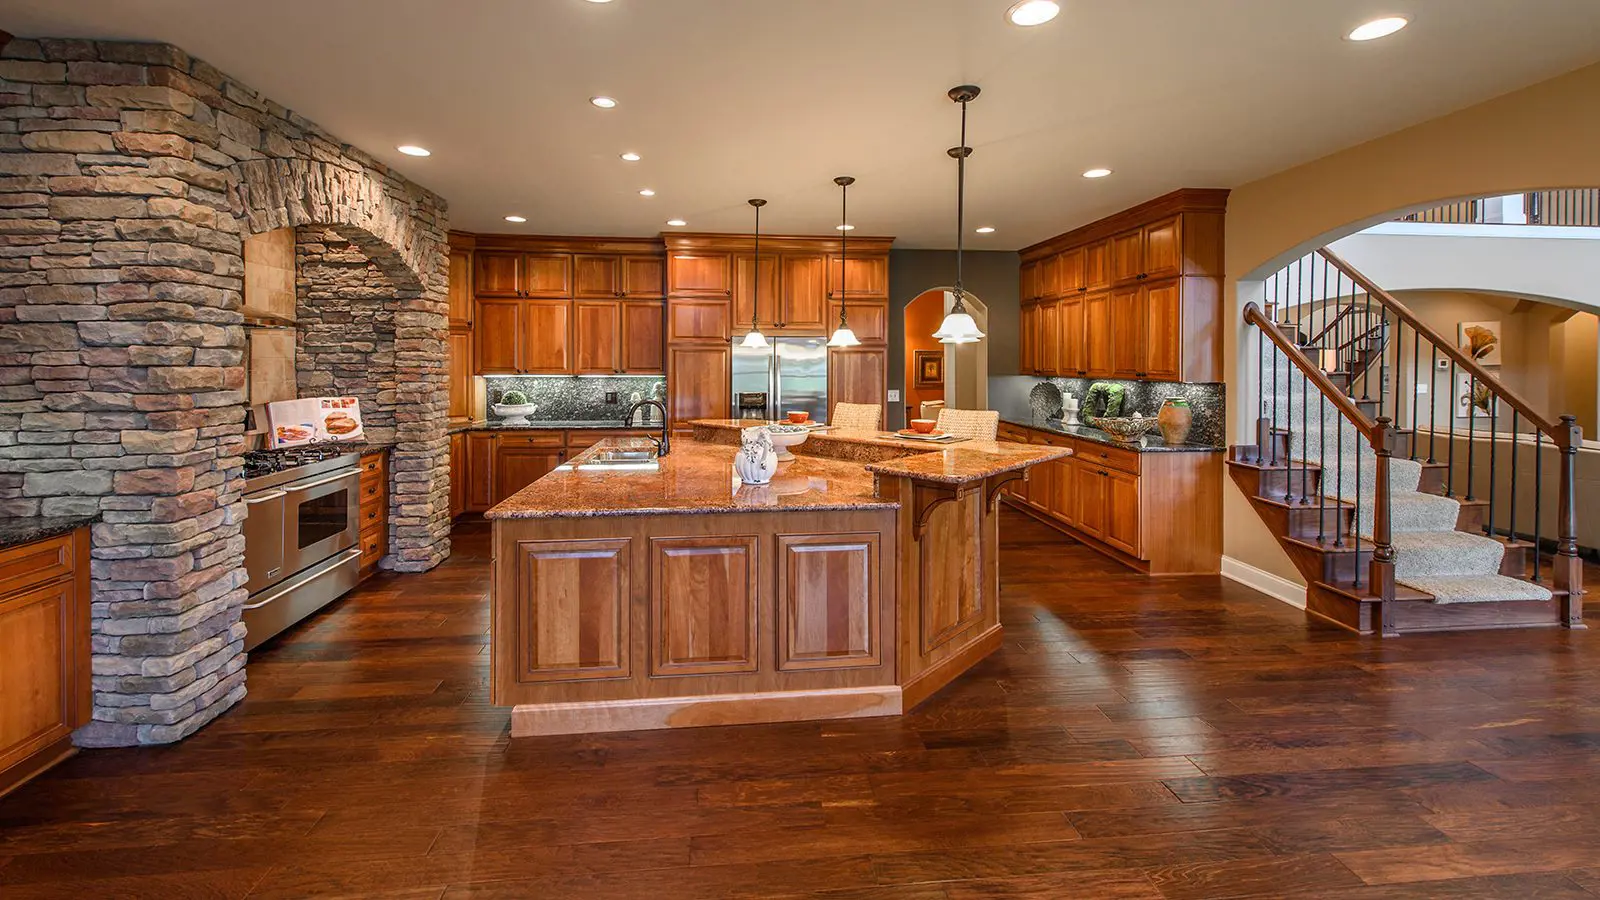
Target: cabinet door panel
(1127, 256)
(1070, 270)
(495, 274)
(460, 289)
(1127, 332)
(572, 609)
(547, 275)
(1064, 497)
(460, 343)
(497, 336)
(828, 601)
(644, 277)
(595, 327)
(1097, 335)
(698, 320)
(858, 277)
(547, 337)
(699, 274)
(1163, 330)
(698, 382)
(1028, 337)
(596, 276)
(857, 375)
(703, 596)
(747, 292)
(1090, 503)
(1049, 341)
(1070, 325)
(1097, 266)
(1122, 511)
(1163, 248)
(1049, 275)
(480, 471)
(517, 467)
(1029, 277)
(868, 319)
(458, 473)
(642, 322)
(36, 665)
(805, 301)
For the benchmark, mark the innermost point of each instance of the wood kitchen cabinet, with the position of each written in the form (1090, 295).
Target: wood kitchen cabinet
(501, 273)
(596, 275)
(752, 283)
(459, 342)
(1028, 343)
(868, 319)
(699, 275)
(44, 653)
(858, 375)
(1089, 499)
(546, 337)
(480, 470)
(460, 295)
(520, 460)
(858, 276)
(641, 342)
(1150, 279)
(697, 382)
(644, 277)
(458, 473)
(803, 294)
(596, 332)
(497, 336)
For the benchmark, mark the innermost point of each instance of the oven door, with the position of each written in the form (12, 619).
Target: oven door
(263, 539)
(320, 518)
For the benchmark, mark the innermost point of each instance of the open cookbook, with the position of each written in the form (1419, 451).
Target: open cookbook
(313, 420)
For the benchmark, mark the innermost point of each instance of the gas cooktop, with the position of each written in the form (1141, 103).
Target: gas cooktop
(265, 462)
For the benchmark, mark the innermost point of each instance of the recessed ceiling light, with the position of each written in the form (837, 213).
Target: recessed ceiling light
(517, 219)
(676, 223)
(1378, 28)
(844, 228)
(1032, 12)
(647, 193)
(599, 1)
(603, 102)
(1097, 173)
(986, 229)
(414, 150)
(630, 157)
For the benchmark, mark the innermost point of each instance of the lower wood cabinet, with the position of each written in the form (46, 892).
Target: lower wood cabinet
(45, 691)
(458, 473)
(522, 459)
(479, 474)
(374, 537)
(698, 382)
(1158, 511)
(486, 467)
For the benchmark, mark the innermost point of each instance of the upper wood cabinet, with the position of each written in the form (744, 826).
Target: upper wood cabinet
(699, 274)
(460, 307)
(858, 375)
(644, 277)
(868, 319)
(505, 273)
(460, 343)
(497, 337)
(697, 382)
(858, 276)
(1150, 278)
(642, 339)
(698, 320)
(547, 337)
(596, 275)
(804, 297)
(596, 330)
(752, 295)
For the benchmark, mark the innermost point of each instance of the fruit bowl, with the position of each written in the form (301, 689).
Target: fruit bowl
(1125, 428)
(785, 436)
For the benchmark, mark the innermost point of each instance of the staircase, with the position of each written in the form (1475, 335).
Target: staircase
(1348, 470)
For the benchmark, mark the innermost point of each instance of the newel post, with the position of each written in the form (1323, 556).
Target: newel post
(1381, 569)
(1568, 574)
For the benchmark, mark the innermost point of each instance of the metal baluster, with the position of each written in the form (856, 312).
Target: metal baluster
(1433, 401)
(1494, 410)
(1538, 495)
(1338, 421)
(1366, 323)
(1511, 527)
(1305, 384)
(1322, 472)
(1472, 431)
(1450, 471)
(1272, 435)
(1416, 357)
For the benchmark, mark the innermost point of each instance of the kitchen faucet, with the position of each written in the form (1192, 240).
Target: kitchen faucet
(663, 444)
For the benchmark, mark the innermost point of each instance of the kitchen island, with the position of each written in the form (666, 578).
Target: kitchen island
(636, 592)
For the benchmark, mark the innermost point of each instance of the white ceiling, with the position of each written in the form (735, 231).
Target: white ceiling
(731, 99)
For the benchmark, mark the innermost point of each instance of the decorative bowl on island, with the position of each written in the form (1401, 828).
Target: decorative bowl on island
(786, 435)
(1127, 429)
(923, 426)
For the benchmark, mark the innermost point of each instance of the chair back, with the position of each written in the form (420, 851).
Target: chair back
(857, 416)
(977, 424)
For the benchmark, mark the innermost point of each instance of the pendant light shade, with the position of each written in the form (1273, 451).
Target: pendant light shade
(958, 326)
(843, 336)
(755, 340)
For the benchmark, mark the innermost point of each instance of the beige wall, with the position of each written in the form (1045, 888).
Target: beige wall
(1542, 136)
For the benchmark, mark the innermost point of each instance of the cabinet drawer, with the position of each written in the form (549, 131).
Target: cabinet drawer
(1010, 432)
(1110, 457)
(532, 439)
(1050, 439)
(373, 465)
(373, 489)
(35, 563)
(374, 544)
(374, 512)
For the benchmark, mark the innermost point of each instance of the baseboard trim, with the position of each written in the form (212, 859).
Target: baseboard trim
(1274, 586)
(588, 717)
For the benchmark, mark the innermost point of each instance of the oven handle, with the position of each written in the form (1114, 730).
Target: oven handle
(332, 564)
(265, 497)
(320, 482)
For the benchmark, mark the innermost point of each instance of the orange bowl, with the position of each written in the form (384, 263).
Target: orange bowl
(923, 426)
(799, 417)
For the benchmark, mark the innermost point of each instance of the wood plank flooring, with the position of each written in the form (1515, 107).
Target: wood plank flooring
(1135, 738)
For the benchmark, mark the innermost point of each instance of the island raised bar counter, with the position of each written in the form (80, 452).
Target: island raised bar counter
(632, 592)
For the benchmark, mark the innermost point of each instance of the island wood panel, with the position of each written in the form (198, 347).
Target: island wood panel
(950, 587)
(828, 601)
(703, 597)
(643, 684)
(573, 610)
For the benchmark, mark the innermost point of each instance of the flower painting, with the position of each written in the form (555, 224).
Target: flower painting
(1473, 398)
(1481, 341)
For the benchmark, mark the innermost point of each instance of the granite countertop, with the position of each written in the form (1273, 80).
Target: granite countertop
(18, 530)
(558, 424)
(695, 477)
(1150, 443)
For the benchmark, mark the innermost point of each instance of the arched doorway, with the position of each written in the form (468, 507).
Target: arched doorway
(965, 367)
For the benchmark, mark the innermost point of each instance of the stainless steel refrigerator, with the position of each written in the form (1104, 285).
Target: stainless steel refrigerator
(793, 373)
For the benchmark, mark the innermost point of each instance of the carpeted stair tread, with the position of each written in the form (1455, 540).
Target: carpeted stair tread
(1411, 511)
(1420, 554)
(1477, 588)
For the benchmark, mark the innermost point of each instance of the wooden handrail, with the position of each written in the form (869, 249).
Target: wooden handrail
(1557, 432)
(1312, 372)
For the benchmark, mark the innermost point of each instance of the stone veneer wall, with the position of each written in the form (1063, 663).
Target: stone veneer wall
(129, 174)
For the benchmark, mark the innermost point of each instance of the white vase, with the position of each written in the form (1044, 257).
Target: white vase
(757, 459)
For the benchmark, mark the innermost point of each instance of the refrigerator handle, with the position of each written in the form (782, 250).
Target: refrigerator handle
(775, 396)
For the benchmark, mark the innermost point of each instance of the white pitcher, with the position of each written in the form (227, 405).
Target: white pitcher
(757, 459)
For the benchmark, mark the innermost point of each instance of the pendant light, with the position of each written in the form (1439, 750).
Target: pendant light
(958, 326)
(755, 339)
(843, 336)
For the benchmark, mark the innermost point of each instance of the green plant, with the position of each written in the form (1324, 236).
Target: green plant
(513, 398)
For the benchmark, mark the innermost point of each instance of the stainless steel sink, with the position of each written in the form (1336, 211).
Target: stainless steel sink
(644, 460)
(624, 456)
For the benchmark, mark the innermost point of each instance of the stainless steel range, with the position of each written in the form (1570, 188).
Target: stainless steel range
(303, 514)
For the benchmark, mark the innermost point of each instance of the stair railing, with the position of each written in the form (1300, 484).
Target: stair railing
(1477, 395)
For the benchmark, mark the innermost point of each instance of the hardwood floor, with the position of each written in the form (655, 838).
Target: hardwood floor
(1135, 738)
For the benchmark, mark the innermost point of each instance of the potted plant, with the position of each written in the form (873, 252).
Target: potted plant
(513, 408)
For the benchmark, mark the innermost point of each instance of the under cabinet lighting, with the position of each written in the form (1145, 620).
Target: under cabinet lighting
(1378, 28)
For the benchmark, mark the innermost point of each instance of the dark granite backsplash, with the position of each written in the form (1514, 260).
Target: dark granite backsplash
(577, 398)
(1143, 397)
